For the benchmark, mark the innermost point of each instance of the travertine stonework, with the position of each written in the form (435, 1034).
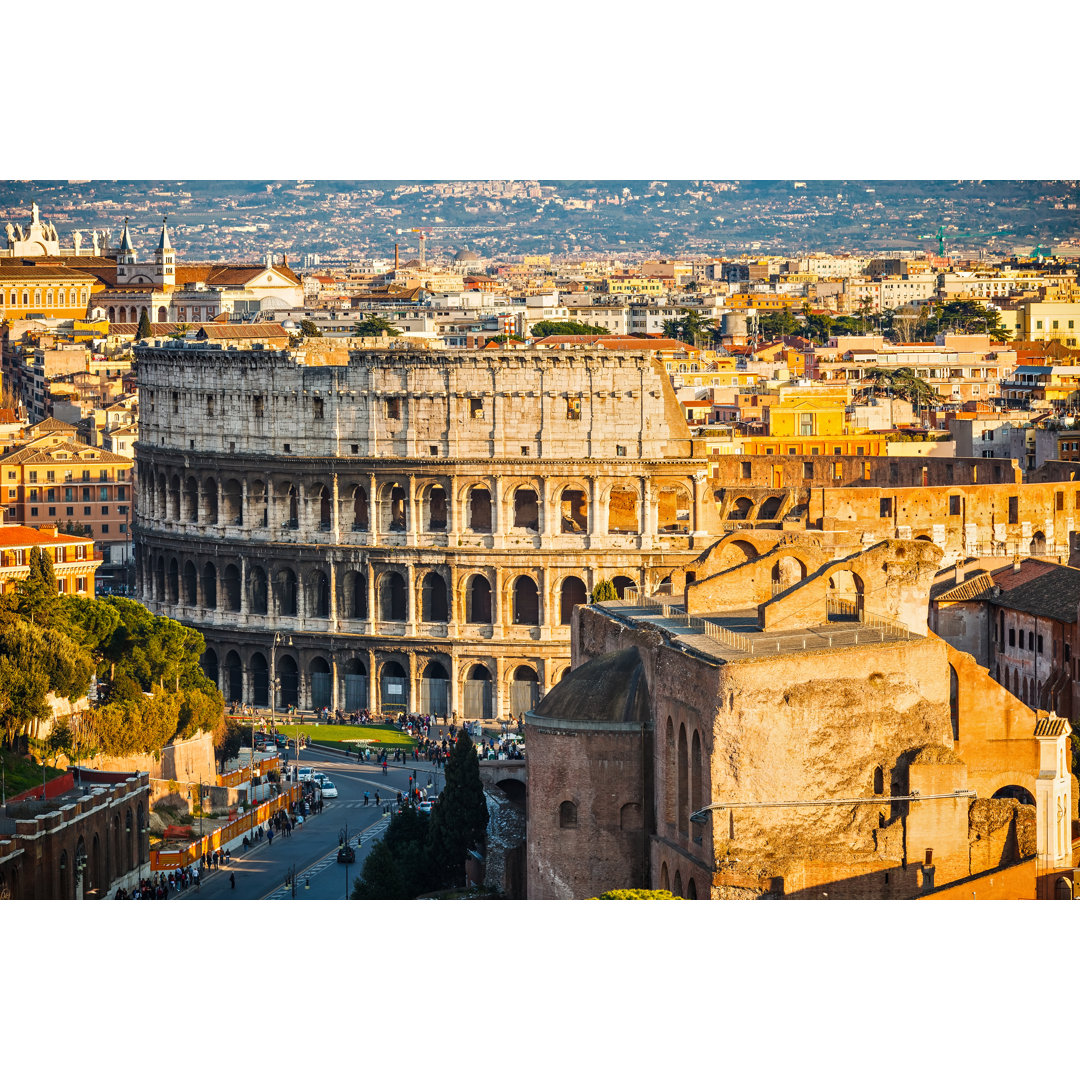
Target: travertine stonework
(425, 517)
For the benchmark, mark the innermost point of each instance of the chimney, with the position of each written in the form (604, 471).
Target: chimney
(1016, 562)
(397, 264)
(959, 574)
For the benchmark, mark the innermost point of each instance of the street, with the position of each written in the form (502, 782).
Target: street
(312, 849)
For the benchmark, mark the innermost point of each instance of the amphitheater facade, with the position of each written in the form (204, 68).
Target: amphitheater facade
(404, 529)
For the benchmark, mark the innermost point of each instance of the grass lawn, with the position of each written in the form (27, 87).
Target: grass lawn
(20, 774)
(381, 734)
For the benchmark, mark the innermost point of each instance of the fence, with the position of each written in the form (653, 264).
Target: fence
(241, 776)
(175, 860)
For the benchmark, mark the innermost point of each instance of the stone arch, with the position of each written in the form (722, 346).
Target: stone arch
(360, 520)
(1063, 889)
(787, 571)
(234, 677)
(393, 599)
(173, 583)
(191, 584)
(260, 681)
(285, 591)
(770, 508)
(435, 689)
(630, 817)
(318, 595)
(524, 689)
(393, 508)
(1038, 543)
(568, 814)
(525, 601)
(478, 704)
(320, 678)
(354, 594)
(572, 593)
(698, 797)
(665, 882)
(623, 583)
(288, 674)
(162, 314)
(478, 600)
(433, 598)
(230, 587)
(676, 885)
(394, 687)
(191, 500)
(674, 507)
(174, 497)
(670, 766)
(209, 586)
(159, 578)
(232, 502)
(623, 511)
(209, 501)
(258, 598)
(320, 498)
(954, 702)
(683, 809)
(526, 504)
(356, 684)
(209, 663)
(844, 598)
(435, 506)
(741, 509)
(478, 517)
(160, 498)
(691, 889)
(292, 507)
(1017, 792)
(879, 780)
(572, 502)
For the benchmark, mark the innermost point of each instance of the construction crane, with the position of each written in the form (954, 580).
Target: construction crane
(425, 230)
(940, 235)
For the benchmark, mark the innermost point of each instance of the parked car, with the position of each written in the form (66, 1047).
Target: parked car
(305, 772)
(346, 854)
(328, 789)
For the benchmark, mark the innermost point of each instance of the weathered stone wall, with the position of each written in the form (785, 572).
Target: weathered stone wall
(187, 760)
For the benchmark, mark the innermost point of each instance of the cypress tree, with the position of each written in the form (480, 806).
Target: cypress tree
(459, 819)
(144, 326)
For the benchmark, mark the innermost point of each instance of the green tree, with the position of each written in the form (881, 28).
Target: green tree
(37, 598)
(502, 339)
(374, 326)
(672, 328)
(380, 878)
(309, 329)
(459, 819)
(199, 711)
(638, 894)
(229, 736)
(694, 327)
(565, 327)
(774, 324)
(144, 326)
(604, 590)
(965, 317)
(180, 332)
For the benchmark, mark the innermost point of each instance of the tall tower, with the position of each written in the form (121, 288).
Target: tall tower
(125, 254)
(165, 256)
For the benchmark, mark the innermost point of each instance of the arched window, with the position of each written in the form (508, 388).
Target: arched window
(526, 602)
(691, 890)
(480, 510)
(289, 675)
(260, 681)
(568, 817)
(573, 594)
(293, 520)
(234, 677)
(392, 599)
(174, 582)
(162, 315)
(684, 787)
(697, 784)
(879, 780)
(209, 662)
(433, 598)
(230, 583)
(360, 509)
(321, 678)
(209, 586)
(210, 501)
(478, 698)
(526, 510)
(232, 495)
(478, 600)
(325, 517)
(436, 508)
(574, 511)
(669, 778)
(356, 598)
(954, 702)
(191, 584)
(257, 577)
(319, 604)
(286, 591)
(191, 499)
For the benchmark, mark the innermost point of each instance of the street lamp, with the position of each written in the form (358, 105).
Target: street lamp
(279, 639)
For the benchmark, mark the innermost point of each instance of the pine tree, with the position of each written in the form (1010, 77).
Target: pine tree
(379, 879)
(459, 820)
(37, 593)
(604, 590)
(144, 327)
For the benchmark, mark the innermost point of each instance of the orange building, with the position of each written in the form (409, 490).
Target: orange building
(72, 558)
(67, 483)
(45, 290)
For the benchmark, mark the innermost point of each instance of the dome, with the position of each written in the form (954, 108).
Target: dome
(607, 692)
(466, 255)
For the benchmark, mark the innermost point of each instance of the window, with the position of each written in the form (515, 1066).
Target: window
(1012, 637)
(258, 406)
(104, 528)
(317, 408)
(573, 407)
(476, 408)
(433, 451)
(393, 408)
(1031, 641)
(1039, 644)
(209, 404)
(620, 451)
(175, 402)
(885, 508)
(745, 473)
(1014, 512)
(1059, 500)
(568, 818)
(954, 505)
(837, 449)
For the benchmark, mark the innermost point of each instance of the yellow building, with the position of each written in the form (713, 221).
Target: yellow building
(646, 286)
(808, 412)
(1048, 320)
(865, 444)
(47, 291)
(759, 301)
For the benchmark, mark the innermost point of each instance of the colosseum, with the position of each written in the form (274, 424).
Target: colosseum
(400, 528)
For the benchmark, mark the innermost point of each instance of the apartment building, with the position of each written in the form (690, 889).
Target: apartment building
(72, 557)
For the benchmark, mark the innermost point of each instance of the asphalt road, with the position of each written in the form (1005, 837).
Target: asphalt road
(312, 849)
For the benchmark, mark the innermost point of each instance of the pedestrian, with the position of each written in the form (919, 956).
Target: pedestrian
(376, 798)
(367, 798)
(232, 881)
(269, 837)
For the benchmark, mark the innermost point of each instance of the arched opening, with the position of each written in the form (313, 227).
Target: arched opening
(954, 702)
(395, 687)
(191, 499)
(257, 579)
(697, 783)
(356, 685)
(161, 508)
(526, 602)
(292, 521)
(162, 314)
(480, 510)
(879, 780)
(673, 504)
(676, 886)
(623, 511)
(288, 674)
(770, 508)
(573, 593)
(355, 595)
(524, 690)
(433, 604)
(325, 512)
(691, 890)
(1015, 791)
(174, 582)
(260, 681)
(435, 690)
(209, 586)
(230, 584)
(1063, 889)
(435, 507)
(191, 584)
(573, 511)
(622, 583)
(232, 495)
(478, 693)
(740, 511)
(787, 571)
(665, 882)
(209, 664)
(568, 816)
(321, 688)
(526, 510)
(392, 599)
(285, 593)
(630, 817)
(234, 677)
(210, 501)
(478, 601)
(159, 579)
(319, 602)
(394, 504)
(684, 786)
(360, 509)
(174, 498)
(844, 599)
(1038, 544)
(670, 774)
